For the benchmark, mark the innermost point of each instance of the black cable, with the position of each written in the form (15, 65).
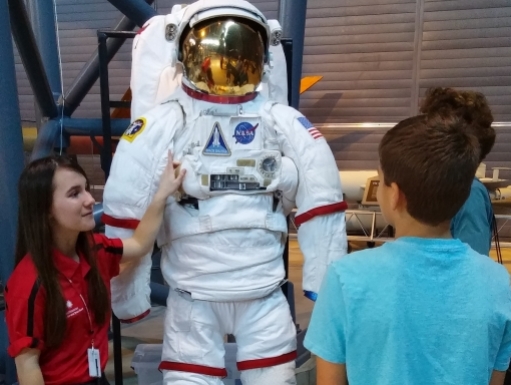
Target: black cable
(495, 231)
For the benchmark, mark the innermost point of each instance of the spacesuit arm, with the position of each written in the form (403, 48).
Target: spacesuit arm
(138, 164)
(145, 234)
(320, 207)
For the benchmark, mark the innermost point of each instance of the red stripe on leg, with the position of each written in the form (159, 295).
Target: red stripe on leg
(267, 362)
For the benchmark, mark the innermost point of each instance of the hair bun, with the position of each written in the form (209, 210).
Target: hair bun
(466, 110)
(470, 106)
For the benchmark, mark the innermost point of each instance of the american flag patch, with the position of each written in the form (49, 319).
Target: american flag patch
(313, 131)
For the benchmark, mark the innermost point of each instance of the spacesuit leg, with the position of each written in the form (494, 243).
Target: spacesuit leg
(283, 374)
(193, 348)
(171, 377)
(266, 338)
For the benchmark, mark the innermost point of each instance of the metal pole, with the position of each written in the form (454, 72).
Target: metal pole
(42, 16)
(106, 153)
(90, 71)
(106, 161)
(292, 15)
(11, 165)
(116, 329)
(27, 48)
(138, 11)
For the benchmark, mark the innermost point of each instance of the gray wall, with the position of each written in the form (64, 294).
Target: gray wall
(77, 26)
(377, 58)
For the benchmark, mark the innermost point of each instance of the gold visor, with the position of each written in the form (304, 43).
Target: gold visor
(223, 57)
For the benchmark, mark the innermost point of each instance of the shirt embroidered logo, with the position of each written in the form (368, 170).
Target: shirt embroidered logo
(72, 310)
(313, 131)
(216, 145)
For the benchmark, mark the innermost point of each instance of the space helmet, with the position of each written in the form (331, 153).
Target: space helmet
(223, 46)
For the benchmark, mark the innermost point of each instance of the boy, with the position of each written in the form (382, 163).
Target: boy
(424, 309)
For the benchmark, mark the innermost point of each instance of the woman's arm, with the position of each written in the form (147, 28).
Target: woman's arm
(144, 236)
(27, 367)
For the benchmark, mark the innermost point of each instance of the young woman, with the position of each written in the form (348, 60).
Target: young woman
(58, 297)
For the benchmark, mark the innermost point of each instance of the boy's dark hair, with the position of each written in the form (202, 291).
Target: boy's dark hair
(470, 106)
(433, 160)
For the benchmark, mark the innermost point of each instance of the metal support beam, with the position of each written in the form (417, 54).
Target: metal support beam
(49, 135)
(42, 16)
(46, 139)
(138, 11)
(292, 15)
(90, 71)
(11, 165)
(27, 48)
(159, 293)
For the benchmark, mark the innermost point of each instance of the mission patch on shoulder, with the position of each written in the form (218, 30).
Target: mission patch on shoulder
(134, 129)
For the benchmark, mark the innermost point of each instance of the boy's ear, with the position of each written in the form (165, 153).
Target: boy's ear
(396, 197)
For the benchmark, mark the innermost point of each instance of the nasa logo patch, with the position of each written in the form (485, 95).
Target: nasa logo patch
(245, 132)
(134, 129)
(216, 145)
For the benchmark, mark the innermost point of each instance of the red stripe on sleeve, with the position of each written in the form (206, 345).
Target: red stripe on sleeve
(323, 210)
(135, 319)
(119, 222)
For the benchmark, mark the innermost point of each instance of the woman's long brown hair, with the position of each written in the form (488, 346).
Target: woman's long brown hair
(35, 238)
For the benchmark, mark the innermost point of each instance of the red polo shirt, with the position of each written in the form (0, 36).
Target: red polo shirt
(25, 304)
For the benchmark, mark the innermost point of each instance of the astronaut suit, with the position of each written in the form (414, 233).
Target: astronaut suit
(207, 85)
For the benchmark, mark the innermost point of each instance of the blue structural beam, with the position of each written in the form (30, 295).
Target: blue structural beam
(42, 15)
(11, 165)
(27, 48)
(55, 133)
(90, 71)
(138, 11)
(292, 15)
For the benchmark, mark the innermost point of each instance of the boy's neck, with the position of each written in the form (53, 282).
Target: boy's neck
(409, 227)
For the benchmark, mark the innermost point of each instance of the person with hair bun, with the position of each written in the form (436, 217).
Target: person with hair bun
(473, 224)
(425, 309)
(58, 296)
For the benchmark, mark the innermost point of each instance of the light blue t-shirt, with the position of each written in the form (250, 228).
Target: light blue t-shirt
(414, 311)
(473, 222)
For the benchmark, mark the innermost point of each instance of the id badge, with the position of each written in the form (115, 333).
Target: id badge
(94, 362)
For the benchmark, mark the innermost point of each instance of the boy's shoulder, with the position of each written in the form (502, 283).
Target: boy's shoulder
(378, 262)
(495, 271)
(364, 262)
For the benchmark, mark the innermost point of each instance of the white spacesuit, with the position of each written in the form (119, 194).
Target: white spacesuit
(250, 160)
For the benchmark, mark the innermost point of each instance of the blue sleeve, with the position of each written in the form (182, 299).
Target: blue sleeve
(504, 354)
(472, 223)
(326, 333)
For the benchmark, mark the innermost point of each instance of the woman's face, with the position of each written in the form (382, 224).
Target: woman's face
(72, 203)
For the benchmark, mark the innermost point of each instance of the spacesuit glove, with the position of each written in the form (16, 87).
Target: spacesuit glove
(310, 295)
